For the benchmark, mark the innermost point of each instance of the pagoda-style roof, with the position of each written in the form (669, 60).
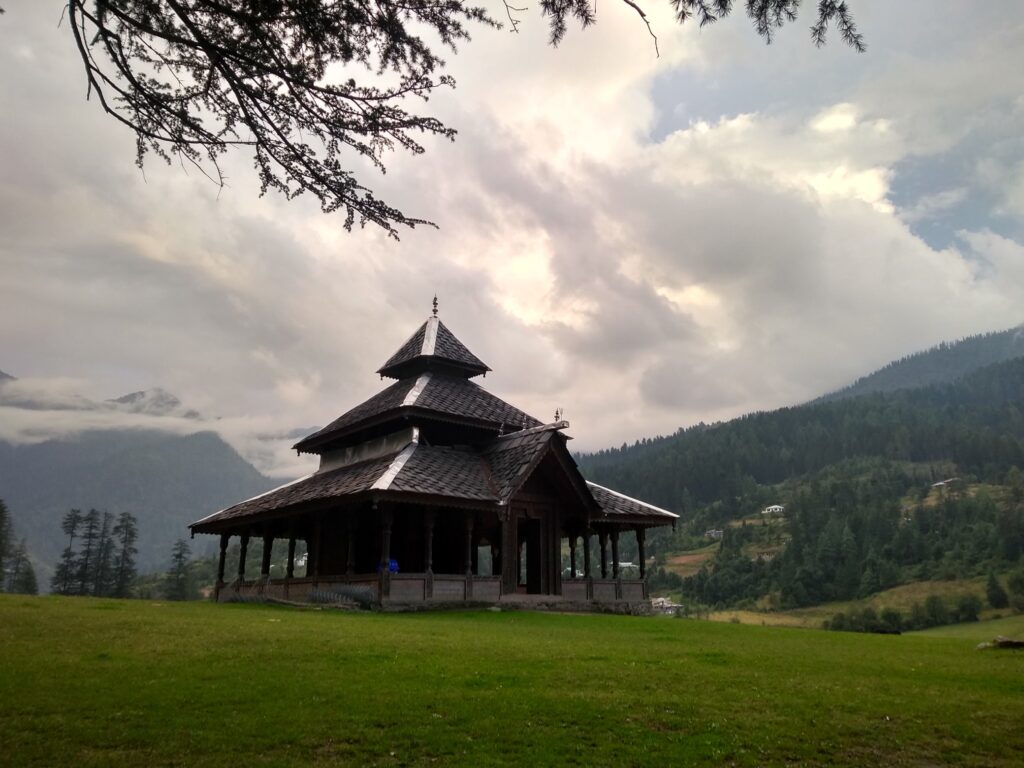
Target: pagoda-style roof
(484, 477)
(491, 475)
(433, 347)
(433, 395)
(435, 437)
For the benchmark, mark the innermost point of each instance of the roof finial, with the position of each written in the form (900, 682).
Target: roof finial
(558, 415)
(435, 305)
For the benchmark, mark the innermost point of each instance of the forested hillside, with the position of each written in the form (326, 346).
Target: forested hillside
(856, 478)
(977, 423)
(860, 527)
(941, 364)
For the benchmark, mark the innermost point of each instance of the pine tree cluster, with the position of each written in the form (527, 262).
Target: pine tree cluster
(16, 572)
(99, 559)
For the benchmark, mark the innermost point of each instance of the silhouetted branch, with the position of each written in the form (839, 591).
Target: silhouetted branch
(647, 21)
(195, 78)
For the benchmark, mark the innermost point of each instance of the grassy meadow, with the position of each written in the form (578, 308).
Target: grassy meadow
(88, 682)
(900, 598)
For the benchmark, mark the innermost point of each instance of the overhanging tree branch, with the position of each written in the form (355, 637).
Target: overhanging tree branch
(310, 86)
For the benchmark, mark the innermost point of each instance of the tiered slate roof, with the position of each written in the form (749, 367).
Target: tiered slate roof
(491, 474)
(432, 345)
(436, 395)
(505, 445)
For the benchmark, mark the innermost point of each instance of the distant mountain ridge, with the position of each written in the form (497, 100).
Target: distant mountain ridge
(165, 480)
(941, 364)
(154, 402)
(151, 402)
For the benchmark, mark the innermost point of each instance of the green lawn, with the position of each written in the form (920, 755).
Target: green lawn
(978, 631)
(102, 682)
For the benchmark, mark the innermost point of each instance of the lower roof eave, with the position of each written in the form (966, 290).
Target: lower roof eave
(633, 522)
(226, 525)
(407, 413)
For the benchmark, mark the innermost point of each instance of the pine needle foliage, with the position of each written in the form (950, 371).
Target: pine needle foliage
(315, 88)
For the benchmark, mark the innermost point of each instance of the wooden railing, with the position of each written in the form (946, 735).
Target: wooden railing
(421, 587)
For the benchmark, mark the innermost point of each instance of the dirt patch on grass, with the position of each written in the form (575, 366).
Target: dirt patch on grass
(688, 563)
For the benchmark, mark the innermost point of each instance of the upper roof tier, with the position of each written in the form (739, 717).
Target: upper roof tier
(433, 396)
(433, 348)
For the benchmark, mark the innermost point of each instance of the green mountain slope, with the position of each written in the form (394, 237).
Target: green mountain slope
(942, 364)
(855, 476)
(165, 480)
(977, 423)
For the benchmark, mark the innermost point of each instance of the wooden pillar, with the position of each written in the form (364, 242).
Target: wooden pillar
(572, 555)
(602, 537)
(586, 563)
(428, 540)
(290, 573)
(586, 553)
(316, 550)
(387, 518)
(641, 536)
(509, 560)
(468, 554)
(615, 553)
(519, 563)
(429, 517)
(268, 546)
(386, 521)
(470, 520)
(243, 548)
(224, 539)
(350, 542)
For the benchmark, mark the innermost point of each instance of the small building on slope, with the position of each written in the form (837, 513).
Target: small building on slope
(425, 481)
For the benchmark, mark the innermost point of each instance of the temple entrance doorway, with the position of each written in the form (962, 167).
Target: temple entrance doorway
(528, 535)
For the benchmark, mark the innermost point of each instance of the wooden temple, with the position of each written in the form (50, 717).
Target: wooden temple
(436, 491)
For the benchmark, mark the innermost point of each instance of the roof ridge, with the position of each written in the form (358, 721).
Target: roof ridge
(417, 389)
(384, 481)
(554, 426)
(430, 336)
(630, 498)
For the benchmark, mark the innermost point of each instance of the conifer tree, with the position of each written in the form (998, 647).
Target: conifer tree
(995, 593)
(6, 539)
(178, 586)
(1016, 582)
(63, 577)
(22, 577)
(101, 582)
(1015, 485)
(85, 571)
(125, 534)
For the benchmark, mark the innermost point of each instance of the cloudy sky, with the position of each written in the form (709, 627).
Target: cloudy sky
(644, 242)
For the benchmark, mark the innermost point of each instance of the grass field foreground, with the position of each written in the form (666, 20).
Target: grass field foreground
(900, 598)
(99, 682)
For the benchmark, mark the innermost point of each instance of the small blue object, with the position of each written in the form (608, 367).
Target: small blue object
(393, 566)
